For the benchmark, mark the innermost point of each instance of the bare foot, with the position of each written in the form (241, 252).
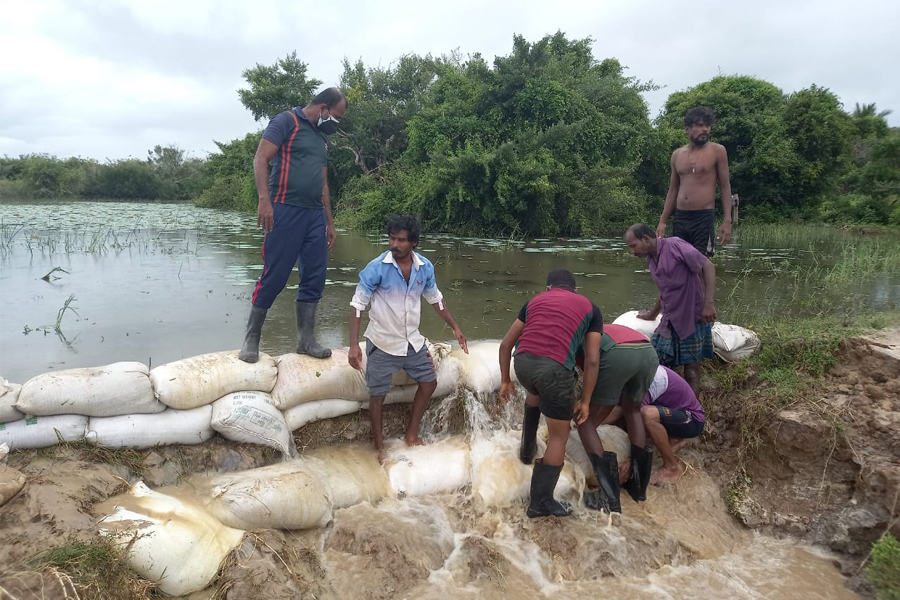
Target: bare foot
(416, 441)
(666, 475)
(380, 456)
(677, 444)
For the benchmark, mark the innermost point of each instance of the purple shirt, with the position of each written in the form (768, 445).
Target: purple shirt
(676, 270)
(678, 396)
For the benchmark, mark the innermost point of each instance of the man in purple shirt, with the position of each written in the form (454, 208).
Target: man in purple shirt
(687, 285)
(671, 414)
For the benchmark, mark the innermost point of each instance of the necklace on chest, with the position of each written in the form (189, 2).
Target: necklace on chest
(694, 160)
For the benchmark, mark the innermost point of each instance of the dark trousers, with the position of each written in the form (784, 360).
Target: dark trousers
(298, 237)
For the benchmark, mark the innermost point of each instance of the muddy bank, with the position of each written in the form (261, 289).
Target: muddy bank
(823, 469)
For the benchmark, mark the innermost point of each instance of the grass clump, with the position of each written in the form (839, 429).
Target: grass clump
(97, 568)
(884, 567)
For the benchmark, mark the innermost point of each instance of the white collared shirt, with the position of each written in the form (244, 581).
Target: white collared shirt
(396, 308)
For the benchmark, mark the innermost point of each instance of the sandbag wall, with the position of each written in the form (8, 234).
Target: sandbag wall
(126, 405)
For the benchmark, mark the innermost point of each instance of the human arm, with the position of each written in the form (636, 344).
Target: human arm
(440, 307)
(265, 152)
(591, 371)
(725, 190)
(709, 285)
(650, 315)
(369, 279)
(509, 341)
(326, 203)
(671, 198)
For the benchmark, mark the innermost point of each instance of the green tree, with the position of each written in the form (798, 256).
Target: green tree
(276, 88)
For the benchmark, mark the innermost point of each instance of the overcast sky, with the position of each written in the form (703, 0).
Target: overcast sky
(112, 78)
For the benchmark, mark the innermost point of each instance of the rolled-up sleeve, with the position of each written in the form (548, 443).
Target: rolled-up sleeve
(369, 278)
(431, 293)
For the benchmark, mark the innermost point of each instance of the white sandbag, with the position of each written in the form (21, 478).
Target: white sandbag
(348, 473)
(630, 319)
(479, 370)
(442, 466)
(146, 431)
(733, 342)
(11, 481)
(203, 379)
(168, 540)
(500, 479)
(281, 496)
(252, 418)
(42, 432)
(310, 412)
(9, 393)
(302, 378)
(122, 388)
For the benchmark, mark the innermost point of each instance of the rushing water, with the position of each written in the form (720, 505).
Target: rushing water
(159, 282)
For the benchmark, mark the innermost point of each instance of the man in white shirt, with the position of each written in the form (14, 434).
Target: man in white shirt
(393, 282)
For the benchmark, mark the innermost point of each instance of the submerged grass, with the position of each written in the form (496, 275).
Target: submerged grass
(97, 568)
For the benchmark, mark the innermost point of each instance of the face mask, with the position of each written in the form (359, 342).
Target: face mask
(328, 126)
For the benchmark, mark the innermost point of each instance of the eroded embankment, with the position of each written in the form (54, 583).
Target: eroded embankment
(821, 464)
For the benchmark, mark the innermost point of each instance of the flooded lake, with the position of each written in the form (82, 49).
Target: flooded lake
(159, 282)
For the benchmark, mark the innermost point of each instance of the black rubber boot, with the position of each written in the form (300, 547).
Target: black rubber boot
(641, 463)
(250, 349)
(529, 434)
(606, 469)
(306, 325)
(543, 482)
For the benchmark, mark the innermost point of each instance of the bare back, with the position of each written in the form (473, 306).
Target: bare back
(697, 170)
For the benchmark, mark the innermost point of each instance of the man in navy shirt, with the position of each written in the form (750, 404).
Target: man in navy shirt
(295, 212)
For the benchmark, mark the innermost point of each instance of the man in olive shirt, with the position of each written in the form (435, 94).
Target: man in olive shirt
(295, 212)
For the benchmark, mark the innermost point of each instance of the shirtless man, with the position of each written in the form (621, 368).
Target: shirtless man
(696, 169)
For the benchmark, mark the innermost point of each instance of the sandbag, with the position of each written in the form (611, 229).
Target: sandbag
(499, 478)
(302, 378)
(441, 466)
(203, 379)
(168, 540)
(479, 370)
(732, 342)
(146, 431)
(281, 496)
(122, 388)
(630, 319)
(41, 432)
(310, 412)
(9, 393)
(251, 418)
(348, 473)
(11, 481)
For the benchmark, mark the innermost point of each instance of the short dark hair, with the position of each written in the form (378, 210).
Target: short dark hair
(408, 223)
(561, 278)
(639, 230)
(699, 115)
(330, 97)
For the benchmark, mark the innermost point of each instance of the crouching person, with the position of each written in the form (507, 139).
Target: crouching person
(671, 414)
(549, 332)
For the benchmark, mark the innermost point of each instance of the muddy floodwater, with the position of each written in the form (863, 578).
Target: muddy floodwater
(160, 282)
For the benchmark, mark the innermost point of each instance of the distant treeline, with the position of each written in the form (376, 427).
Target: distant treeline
(165, 175)
(544, 141)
